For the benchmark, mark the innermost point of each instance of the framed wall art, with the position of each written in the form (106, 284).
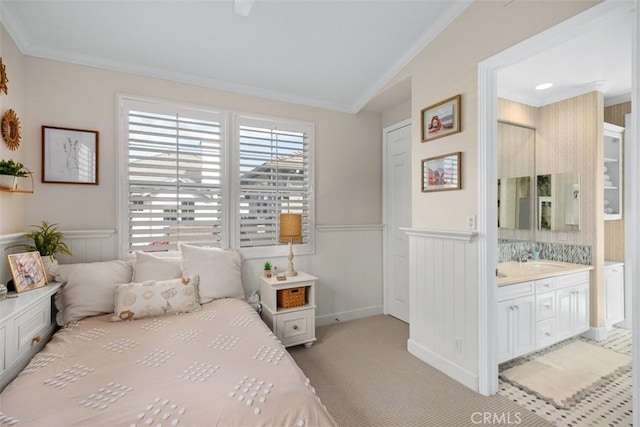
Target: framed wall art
(27, 271)
(69, 156)
(442, 173)
(441, 119)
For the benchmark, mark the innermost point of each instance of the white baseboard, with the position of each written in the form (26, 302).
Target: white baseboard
(597, 334)
(344, 316)
(446, 366)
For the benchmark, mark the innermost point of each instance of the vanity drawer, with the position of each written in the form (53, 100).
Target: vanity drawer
(572, 279)
(545, 285)
(515, 291)
(545, 305)
(545, 333)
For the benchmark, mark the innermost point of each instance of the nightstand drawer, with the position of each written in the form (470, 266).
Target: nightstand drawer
(31, 326)
(295, 327)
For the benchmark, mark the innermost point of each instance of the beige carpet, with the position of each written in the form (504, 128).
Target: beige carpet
(569, 373)
(364, 375)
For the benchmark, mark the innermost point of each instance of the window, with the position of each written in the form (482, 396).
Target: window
(188, 178)
(174, 177)
(275, 176)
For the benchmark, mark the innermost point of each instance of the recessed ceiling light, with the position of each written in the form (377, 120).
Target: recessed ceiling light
(543, 86)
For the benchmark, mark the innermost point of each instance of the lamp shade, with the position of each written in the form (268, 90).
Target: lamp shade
(290, 228)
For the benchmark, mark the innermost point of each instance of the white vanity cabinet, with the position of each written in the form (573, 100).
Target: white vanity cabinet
(613, 293)
(516, 321)
(573, 311)
(538, 313)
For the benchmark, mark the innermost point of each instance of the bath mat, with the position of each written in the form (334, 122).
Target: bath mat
(568, 373)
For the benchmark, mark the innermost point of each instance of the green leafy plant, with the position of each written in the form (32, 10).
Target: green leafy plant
(46, 239)
(9, 167)
(267, 265)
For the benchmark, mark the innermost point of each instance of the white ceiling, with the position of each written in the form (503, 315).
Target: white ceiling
(597, 59)
(334, 54)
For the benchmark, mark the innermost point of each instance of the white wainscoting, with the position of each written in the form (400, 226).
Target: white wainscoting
(85, 245)
(347, 260)
(443, 285)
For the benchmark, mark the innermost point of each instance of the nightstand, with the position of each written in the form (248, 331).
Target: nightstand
(294, 325)
(27, 321)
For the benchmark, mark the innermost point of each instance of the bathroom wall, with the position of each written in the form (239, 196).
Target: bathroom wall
(614, 230)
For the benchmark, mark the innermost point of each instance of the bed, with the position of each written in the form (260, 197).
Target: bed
(214, 364)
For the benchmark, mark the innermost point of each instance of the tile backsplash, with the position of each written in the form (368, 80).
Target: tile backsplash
(510, 250)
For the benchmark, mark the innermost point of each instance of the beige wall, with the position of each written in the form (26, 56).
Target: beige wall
(448, 66)
(348, 164)
(614, 230)
(12, 204)
(396, 113)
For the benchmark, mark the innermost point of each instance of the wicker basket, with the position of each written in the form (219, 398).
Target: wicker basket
(293, 297)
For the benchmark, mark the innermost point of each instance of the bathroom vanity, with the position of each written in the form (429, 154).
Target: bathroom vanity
(539, 304)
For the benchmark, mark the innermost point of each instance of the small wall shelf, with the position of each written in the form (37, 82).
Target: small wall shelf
(14, 186)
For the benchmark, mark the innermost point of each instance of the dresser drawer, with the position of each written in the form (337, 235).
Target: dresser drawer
(31, 325)
(3, 346)
(295, 327)
(545, 305)
(545, 333)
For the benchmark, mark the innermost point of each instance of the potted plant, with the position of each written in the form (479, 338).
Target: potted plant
(48, 241)
(9, 170)
(267, 269)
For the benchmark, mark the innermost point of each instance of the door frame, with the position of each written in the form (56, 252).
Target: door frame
(386, 280)
(487, 176)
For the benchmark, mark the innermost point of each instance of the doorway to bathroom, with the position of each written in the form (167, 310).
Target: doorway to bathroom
(489, 82)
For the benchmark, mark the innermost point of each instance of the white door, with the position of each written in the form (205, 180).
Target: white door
(505, 331)
(564, 313)
(398, 214)
(524, 319)
(581, 305)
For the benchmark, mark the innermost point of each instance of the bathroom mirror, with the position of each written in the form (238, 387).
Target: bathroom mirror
(558, 197)
(514, 203)
(516, 171)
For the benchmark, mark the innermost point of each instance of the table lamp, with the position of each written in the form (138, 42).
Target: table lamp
(290, 232)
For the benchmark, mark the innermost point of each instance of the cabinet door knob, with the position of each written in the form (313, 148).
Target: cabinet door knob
(548, 334)
(36, 339)
(295, 327)
(547, 306)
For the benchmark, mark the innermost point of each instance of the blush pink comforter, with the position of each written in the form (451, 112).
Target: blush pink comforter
(220, 366)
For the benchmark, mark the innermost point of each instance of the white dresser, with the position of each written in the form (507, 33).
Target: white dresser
(26, 324)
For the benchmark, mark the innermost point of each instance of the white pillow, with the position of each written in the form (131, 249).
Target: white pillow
(88, 289)
(156, 298)
(219, 271)
(150, 267)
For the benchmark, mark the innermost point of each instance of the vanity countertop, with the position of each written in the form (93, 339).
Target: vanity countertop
(515, 272)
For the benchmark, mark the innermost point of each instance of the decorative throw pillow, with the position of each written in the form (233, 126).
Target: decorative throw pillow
(88, 288)
(150, 267)
(156, 298)
(219, 271)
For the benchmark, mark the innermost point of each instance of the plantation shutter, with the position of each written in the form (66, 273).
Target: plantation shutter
(274, 177)
(174, 171)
